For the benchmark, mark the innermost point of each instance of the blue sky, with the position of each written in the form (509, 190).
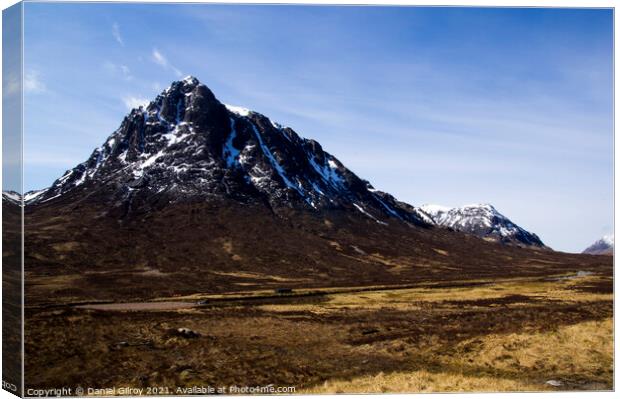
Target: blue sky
(11, 99)
(435, 105)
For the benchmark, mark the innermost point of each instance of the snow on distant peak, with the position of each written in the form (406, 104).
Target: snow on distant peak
(608, 239)
(434, 208)
(482, 220)
(604, 246)
(29, 196)
(238, 110)
(479, 206)
(12, 196)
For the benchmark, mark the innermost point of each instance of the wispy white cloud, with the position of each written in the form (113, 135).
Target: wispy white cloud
(116, 32)
(33, 83)
(132, 102)
(162, 61)
(159, 58)
(122, 70)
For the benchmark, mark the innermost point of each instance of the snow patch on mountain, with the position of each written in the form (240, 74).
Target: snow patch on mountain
(31, 195)
(363, 211)
(276, 165)
(608, 239)
(12, 197)
(241, 111)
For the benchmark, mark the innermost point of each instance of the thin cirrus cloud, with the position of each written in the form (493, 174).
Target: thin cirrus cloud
(33, 83)
(116, 32)
(162, 61)
(118, 69)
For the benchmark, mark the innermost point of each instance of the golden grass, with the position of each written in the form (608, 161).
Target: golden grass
(577, 354)
(422, 381)
(536, 289)
(584, 349)
(410, 298)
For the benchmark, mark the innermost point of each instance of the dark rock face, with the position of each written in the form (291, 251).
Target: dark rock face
(482, 220)
(186, 145)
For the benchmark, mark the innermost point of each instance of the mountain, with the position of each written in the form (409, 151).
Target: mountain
(482, 220)
(186, 144)
(604, 246)
(191, 195)
(11, 197)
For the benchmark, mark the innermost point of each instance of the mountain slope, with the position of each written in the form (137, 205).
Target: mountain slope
(604, 246)
(186, 144)
(482, 220)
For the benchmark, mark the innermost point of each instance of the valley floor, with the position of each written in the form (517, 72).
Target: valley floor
(521, 334)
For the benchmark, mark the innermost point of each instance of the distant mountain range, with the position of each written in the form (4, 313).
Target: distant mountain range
(604, 246)
(482, 220)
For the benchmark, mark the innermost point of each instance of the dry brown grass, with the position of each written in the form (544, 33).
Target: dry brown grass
(423, 381)
(413, 298)
(579, 356)
(582, 350)
(507, 335)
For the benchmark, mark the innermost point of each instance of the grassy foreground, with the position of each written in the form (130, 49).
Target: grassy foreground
(581, 354)
(527, 334)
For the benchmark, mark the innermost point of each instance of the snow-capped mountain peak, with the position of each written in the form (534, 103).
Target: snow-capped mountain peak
(482, 220)
(190, 80)
(603, 246)
(185, 143)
